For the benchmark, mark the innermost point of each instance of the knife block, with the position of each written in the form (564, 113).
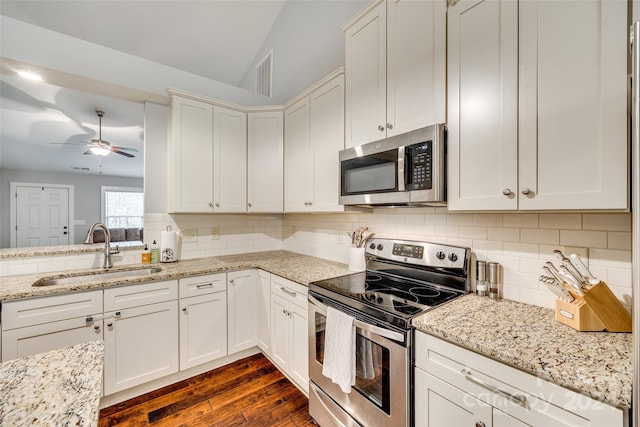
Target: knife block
(597, 310)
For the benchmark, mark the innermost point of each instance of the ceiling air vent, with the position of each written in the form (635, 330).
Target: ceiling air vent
(263, 75)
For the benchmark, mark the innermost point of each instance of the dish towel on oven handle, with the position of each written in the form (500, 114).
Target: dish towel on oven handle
(340, 349)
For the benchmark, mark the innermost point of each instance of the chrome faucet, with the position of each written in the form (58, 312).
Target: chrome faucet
(108, 263)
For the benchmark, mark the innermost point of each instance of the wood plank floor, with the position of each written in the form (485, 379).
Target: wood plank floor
(249, 392)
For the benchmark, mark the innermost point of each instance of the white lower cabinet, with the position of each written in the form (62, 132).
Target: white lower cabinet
(39, 325)
(264, 311)
(203, 319)
(141, 334)
(289, 329)
(242, 304)
(455, 386)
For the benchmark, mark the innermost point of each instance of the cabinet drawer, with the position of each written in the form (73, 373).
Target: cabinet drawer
(201, 285)
(137, 295)
(18, 314)
(510, 390)
(291, 291)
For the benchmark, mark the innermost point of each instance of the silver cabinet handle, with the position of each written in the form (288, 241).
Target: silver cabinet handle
(525, 190)
(217, 204)
(232, 281)
(249, 204)
(287, 291)
(517, 398)
(204, 285)
(507, 192)
(480, 424)
(210, 204)
(310, 203)
(96, 327)
(110, 324)
(381, 128)
(184, 309)
(389, 126)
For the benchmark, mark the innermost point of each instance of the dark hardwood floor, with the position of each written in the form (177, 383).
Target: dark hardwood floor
(249, 392)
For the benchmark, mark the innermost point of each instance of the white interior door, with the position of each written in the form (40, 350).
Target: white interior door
(42, 215)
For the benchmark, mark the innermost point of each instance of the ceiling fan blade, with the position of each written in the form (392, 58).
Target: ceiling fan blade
(114, 150)
(125, 148)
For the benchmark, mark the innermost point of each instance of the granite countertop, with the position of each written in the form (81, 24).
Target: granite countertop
(597, 364)
(58, 388)
(299, 268)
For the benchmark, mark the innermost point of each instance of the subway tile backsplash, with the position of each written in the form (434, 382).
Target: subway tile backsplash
(520, 242)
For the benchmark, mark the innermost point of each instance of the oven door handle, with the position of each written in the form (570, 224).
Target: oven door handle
(392, 335)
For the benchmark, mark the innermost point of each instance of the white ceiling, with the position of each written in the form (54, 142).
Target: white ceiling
(213, 38)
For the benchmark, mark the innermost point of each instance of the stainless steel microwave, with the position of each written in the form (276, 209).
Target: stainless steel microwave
(403, 170)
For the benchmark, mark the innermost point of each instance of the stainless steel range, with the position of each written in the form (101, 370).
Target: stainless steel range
(403, 279)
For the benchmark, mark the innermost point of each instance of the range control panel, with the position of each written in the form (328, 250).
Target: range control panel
(419, 253)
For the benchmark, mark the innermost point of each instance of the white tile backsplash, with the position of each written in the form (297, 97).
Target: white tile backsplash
(520, 242)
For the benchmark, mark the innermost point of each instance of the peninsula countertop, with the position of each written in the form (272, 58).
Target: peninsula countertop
(58, 388)
(597, 364)
(299, 268)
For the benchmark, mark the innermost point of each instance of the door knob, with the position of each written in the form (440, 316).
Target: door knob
(507, 192)
(381, 128)
(389, 126)
(525, 190)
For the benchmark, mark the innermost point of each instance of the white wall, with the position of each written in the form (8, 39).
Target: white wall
(307, 42)
(86, 195)
(155, 157)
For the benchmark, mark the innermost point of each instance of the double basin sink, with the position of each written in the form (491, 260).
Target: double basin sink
(75, 278)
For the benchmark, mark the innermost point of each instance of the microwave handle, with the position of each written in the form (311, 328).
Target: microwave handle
(396, 336)
(403, 169)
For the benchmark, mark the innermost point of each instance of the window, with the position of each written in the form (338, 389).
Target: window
(122, 207)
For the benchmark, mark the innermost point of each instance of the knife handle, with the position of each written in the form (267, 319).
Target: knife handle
(583, 269)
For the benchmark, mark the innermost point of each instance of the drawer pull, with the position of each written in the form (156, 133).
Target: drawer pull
(287, 291)
(517, 398)
(204, 285)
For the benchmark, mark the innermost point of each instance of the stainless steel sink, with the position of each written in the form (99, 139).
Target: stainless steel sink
(97, 275)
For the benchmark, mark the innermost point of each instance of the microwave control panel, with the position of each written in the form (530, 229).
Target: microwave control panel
(420, 166)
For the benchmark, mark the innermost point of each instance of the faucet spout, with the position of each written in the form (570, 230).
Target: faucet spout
(108, 263)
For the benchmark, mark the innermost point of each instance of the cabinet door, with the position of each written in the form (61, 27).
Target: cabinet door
(141, 344)
(265, 162)
(299, 368)
(264, 311)
(326, 129)
(483, 105)
(366, 64)
(22, 342)
(242, 303)
(439, 404)
(297, 174)
(573, 105)
(416, 64)
(280, 331)
(230, 160)
(203, 329)
(191, 156)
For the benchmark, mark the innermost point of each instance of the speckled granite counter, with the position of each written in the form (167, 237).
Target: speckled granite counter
(299, 268)
(598, 364)
(58, 388)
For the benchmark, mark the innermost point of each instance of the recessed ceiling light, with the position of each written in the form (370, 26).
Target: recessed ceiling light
(29, 75)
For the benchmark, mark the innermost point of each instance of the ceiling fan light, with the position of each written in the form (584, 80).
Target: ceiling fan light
(100, 151)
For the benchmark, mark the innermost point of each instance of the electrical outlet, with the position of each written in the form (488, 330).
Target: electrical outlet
(215, 233)
(190, 235)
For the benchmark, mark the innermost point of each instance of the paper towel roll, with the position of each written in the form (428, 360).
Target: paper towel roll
(168, 249)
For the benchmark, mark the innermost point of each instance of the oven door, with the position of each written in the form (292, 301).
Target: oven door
(380, 394)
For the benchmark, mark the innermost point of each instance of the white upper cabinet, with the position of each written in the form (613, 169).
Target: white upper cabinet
(537, 114)
(208, 158)
(482, 104)
(395, 61)
(313, 137)
(265, 162)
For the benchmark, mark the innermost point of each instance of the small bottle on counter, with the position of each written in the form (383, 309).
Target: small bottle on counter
(481, 279)
(494, 274)
(155, 253)
(146, 255)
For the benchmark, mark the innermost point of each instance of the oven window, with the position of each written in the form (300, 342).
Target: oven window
(372, 366)
(374, 173)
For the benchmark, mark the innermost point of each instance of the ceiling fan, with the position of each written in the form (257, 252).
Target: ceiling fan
(100, 147)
